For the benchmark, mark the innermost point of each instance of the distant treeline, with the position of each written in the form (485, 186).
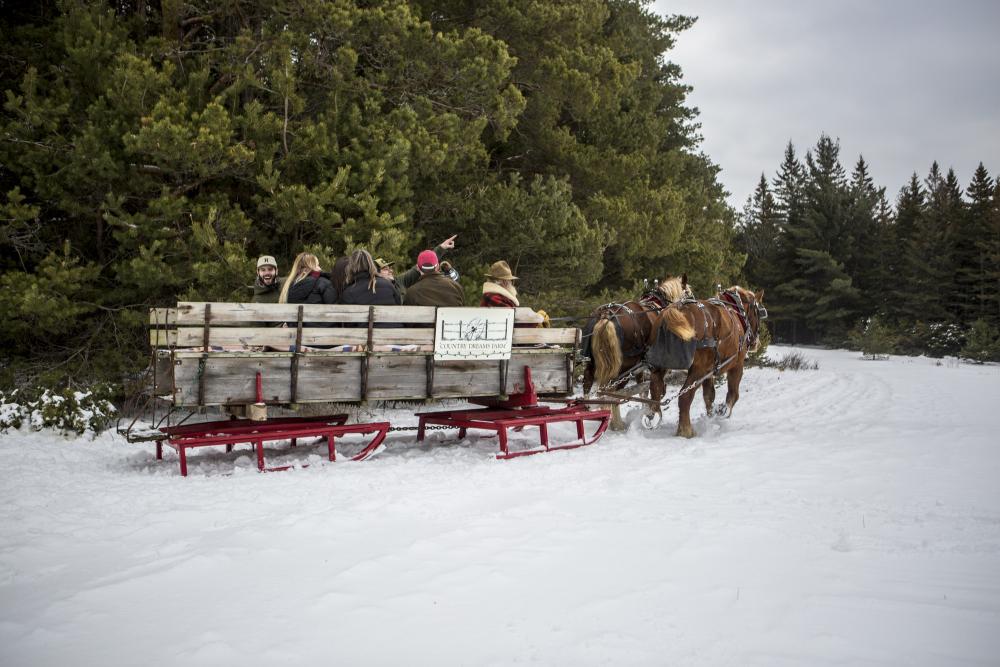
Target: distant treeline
(150, 150)
(837, 256)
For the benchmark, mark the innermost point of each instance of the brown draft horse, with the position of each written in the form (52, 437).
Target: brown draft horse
(619, 335)
(723, 330)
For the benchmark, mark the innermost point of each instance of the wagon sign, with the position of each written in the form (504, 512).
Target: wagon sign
(473, 333)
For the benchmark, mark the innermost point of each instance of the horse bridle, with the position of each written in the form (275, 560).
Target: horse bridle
(734, 302)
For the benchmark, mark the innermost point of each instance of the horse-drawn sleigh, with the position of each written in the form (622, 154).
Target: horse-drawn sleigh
(252, 359)
(249, 359)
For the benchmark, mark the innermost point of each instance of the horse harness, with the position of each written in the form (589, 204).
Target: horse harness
(729, 301)
(732, 305)
(638, 343)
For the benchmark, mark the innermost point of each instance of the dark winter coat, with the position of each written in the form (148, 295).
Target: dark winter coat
(267, 293)
(314, 288)
(358, 293)
(338, 274)
(434, 289)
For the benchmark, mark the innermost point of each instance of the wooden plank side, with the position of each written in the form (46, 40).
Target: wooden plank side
(329, 378)
(256, 336)
(232, 380)
(393, 377)
(548, 373)
(562, 336)
(401, 336)
(409, 314)
(229, 377)
(192, 313)
(285, 336)
(458, 379)
(162, 317)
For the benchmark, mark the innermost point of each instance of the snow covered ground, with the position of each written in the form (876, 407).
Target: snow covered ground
(846, 515)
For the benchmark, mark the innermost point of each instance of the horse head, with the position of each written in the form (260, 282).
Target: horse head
(754, 310)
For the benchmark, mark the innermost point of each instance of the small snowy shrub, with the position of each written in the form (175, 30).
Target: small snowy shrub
(67, 411)
(11, 412)
(874, 338)
(982, 343)
(793, 361)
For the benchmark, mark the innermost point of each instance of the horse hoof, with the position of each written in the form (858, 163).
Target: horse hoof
(651, 420)
(721, 410)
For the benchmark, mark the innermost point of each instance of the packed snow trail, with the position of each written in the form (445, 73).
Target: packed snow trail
(849, 514)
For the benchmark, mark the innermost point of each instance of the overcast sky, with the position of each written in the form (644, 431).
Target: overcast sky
(903, 83)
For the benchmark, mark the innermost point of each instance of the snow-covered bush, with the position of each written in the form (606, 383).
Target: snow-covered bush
(67, 411)
(935, 339)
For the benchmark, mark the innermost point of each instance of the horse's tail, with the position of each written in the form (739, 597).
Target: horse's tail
(678, 324)
(606, 351)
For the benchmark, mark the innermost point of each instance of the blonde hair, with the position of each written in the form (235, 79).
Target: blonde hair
(361, 261)
(301, 267)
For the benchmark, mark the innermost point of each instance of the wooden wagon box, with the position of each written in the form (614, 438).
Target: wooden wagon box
(209, 354)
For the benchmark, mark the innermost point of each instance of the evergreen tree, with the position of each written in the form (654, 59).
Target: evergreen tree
(928, 253)
(866, 261)
(990, 247)
(786, 313)
(758, 236)
(910, 205)
(883, 255)
(822, 292)
(971, 249)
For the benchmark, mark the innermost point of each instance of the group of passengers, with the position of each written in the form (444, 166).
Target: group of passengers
(361, 280)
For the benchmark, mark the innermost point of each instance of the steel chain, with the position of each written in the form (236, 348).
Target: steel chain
(430, 427)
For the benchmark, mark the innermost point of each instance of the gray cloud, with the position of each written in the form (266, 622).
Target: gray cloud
(903, 83)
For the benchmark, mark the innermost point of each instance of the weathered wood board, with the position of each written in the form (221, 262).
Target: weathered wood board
(230, 378)
(192, 313)
(284, 337)
(225, 373)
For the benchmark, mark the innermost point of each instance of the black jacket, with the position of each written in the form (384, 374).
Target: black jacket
(358, 292)
(312, 289)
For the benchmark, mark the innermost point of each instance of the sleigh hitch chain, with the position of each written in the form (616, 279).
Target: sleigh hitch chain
(429, 427)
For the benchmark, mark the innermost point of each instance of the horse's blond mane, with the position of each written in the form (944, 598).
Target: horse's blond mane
(674, 289)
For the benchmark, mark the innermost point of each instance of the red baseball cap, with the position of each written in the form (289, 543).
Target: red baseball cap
(427, 259)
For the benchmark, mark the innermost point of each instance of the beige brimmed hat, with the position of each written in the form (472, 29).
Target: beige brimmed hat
(266, 260)
(500, 271)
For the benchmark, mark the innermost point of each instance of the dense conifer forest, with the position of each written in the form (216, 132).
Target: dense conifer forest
(845, 264)
(150, 150)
